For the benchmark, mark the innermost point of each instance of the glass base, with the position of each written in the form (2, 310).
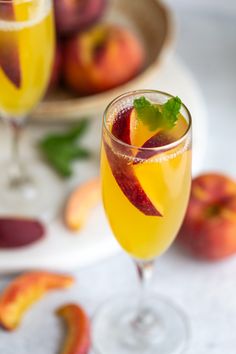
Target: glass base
(162, 328)
(39, 194)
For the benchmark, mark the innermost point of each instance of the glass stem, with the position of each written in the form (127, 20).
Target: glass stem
(17, 175)
(144, 318)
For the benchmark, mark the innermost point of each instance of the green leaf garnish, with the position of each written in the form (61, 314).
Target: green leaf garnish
(147, 112)
(61, 150)
(158, 116)
(170, 111)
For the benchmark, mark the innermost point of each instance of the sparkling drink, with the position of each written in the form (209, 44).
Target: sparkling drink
(27, 38)
(27, 43)
(165, 177)
(146, 178)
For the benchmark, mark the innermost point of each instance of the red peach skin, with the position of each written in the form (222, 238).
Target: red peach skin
(157, 140)
(72, 16)
(25, 290)
(101, 59)
(121, 130)
(80, 203)
(121, 126)
(9, 54)
(129, 184)
(78, 336)
(123, 171)
(18, 232)
(57, 68)
(209, 227)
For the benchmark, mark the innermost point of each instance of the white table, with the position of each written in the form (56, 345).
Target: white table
(206, 291)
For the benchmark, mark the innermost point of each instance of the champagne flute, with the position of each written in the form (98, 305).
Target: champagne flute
(27, 41)
(146, 179)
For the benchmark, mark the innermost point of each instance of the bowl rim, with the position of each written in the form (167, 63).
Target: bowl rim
(71, 107)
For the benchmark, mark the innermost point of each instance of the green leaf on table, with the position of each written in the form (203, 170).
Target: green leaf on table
(62, 149)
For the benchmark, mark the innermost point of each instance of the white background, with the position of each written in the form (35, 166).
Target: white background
(207, 43)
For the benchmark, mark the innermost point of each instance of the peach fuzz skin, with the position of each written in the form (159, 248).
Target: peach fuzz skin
(78, 329)
(25, 290)
(102, 58)
(81, 202)
(209, 228)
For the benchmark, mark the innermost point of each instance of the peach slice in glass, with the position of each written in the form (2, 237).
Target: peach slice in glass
(129, 129)
(9, 52)
(158, 140)
(123, 171)
(121, 128)
(162, 138)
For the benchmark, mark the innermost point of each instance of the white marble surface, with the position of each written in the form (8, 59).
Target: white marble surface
(207, 292)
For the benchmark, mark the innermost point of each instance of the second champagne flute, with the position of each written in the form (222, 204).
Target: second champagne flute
(27, 42)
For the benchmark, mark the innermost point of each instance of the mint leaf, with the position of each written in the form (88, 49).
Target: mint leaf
(78, 131)
(147, 112)
(170, 111)
(74, 134)
(61, 150)
(158, 116)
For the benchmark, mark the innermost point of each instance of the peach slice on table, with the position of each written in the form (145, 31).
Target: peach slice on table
(78, 336)
(81, 202)
(9, 53)
(25, 290)
(19, 232)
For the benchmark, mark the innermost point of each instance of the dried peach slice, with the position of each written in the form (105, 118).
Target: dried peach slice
(78, 336)
(9, 53)
(26, 290)
(80, 203)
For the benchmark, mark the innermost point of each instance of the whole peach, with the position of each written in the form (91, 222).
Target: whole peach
(74, 15)
(102, 58)
(209, 228)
